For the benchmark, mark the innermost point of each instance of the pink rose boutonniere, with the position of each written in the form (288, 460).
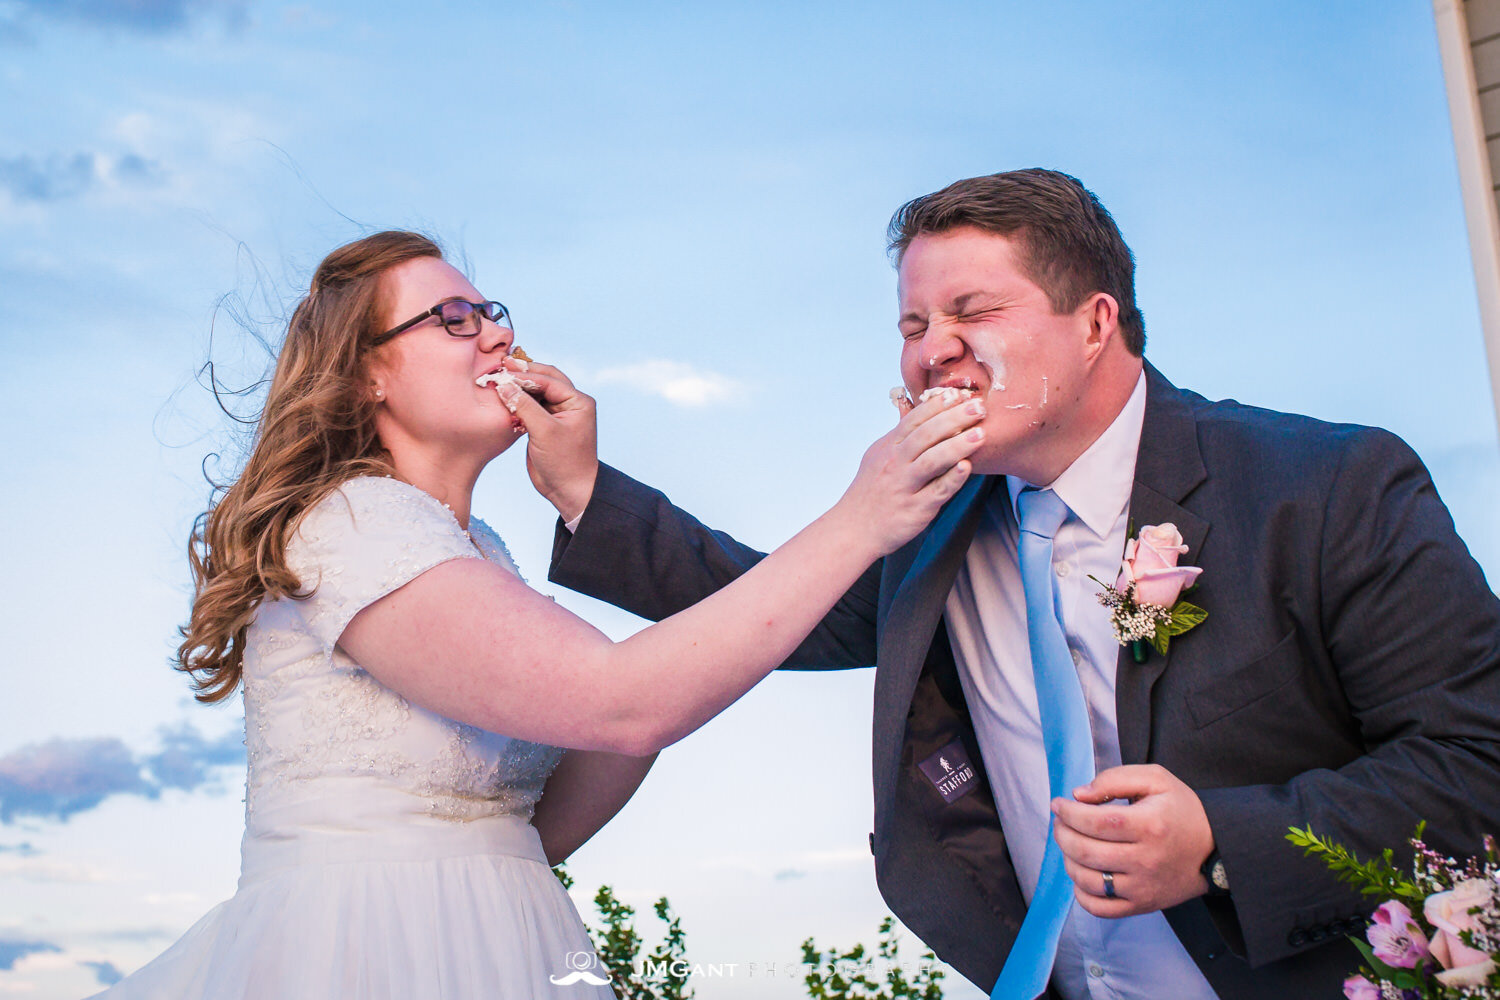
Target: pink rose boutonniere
(1144, 600)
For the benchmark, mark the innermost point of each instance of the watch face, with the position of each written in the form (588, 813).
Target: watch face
(1219, 876)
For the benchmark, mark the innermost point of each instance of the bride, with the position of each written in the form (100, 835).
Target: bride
(408, 697)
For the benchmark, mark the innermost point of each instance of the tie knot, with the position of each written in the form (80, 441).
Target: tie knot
(1041, 512)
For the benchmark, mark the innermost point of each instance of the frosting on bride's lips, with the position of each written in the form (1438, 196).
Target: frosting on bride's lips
(520, 357)
(500, 377)
(497, 378)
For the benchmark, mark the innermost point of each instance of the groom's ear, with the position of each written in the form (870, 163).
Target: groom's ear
(1101, 314)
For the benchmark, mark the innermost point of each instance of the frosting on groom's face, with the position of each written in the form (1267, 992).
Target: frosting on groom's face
(970, 317)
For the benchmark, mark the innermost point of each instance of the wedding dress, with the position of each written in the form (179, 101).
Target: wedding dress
(388, 853)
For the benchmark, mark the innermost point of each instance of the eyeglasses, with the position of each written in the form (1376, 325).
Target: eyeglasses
(459, 317)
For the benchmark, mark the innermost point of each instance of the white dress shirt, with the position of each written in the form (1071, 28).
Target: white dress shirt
(1138, 958)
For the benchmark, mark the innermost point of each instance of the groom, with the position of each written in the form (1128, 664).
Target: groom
(1345, 677)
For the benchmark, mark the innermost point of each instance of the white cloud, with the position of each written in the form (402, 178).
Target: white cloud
(48, 870)
(675, 381)
(169, 898)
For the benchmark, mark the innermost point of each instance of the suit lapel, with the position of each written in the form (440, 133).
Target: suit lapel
(1168, 466)
(918, 602)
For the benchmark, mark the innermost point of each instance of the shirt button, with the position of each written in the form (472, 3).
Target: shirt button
(1063, 569)
(1077, 657)
(1096, 970)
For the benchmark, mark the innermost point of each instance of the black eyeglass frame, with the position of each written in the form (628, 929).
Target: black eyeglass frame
(487, 310)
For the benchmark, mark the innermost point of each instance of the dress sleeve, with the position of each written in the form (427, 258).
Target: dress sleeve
(367, 538)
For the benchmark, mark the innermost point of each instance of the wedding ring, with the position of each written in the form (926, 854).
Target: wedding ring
(1109, 886)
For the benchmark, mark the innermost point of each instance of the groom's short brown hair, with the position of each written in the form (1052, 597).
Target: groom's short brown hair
(1070, 246)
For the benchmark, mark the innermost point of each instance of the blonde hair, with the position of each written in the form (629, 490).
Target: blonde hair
(316, 430)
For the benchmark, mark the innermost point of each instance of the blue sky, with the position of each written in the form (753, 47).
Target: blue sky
(701, 190)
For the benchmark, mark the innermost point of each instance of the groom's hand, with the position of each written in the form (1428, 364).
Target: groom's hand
(1154, 846)
(562, 446)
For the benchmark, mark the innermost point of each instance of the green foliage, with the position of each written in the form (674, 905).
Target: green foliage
(834, 975)
(661, 975)
(1378, 877)
(1184, 616)
(850, 975)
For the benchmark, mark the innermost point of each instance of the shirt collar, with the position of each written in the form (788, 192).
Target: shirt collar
(1096, 487)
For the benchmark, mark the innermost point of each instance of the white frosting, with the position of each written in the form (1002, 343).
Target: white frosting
(989, 353)
(949, 394)
(498, 379)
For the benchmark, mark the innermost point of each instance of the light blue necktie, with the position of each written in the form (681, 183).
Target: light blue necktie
(1065, 735)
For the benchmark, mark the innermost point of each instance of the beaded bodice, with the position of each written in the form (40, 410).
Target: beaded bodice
(330, 744)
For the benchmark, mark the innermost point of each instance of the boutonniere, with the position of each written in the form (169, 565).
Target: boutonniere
(1144, 601)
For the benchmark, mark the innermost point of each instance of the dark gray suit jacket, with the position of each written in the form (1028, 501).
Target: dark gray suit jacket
(1346, 678)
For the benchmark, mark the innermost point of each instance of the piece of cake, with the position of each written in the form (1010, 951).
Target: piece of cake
(949, 393)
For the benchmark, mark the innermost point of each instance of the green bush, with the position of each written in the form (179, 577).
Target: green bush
(848, 975)
(663, 974)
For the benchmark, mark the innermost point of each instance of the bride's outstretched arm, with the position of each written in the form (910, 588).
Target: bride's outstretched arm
(472, 642)
(585, 791)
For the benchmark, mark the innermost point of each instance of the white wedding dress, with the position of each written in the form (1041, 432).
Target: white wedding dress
(388, 851)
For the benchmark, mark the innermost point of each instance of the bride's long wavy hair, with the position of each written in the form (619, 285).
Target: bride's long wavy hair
(316, 430)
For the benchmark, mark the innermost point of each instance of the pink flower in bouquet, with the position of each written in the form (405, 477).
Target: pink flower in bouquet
(1449, 914)
(1151, 564)
(1360, 988)
(1395, 936)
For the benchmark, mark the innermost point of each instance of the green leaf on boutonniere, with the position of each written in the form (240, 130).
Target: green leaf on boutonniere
(1185, 616)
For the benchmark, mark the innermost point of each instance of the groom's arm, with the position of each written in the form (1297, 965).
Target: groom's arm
(634, 549)
(1413, 631)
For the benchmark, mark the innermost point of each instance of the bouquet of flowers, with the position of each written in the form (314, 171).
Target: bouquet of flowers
(1436, 936)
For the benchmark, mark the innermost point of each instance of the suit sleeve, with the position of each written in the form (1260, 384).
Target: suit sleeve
(1413, 633)
(637, 551)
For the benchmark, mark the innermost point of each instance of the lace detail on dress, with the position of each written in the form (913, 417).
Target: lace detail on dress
(467, 782)
(314, 715)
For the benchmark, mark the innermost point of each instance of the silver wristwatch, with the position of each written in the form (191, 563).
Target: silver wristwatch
(1218, 878)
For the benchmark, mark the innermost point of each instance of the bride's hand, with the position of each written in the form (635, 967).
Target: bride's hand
(562, 450)
(906, 476)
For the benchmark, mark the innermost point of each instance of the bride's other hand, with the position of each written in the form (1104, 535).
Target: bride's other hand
(562, 448)
(907, 475)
